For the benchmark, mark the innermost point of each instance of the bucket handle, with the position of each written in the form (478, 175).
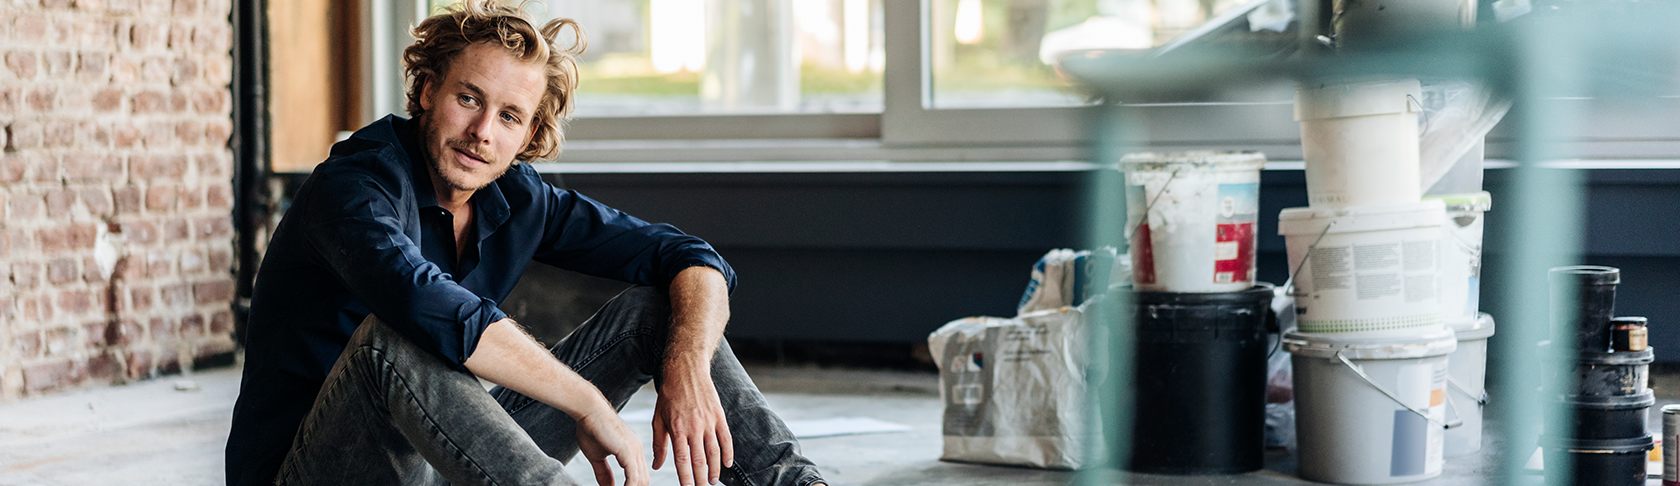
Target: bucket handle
(1480, 400)
(1289, 285)
(1367, 378)
(1151, 204)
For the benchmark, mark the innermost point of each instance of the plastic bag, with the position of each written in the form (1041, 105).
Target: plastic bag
(1014, 389)
(1280, 384)
(1456, 117)
(1064, 277)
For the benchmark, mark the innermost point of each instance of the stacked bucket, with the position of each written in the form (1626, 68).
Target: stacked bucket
(1201, 319)
(1607, 395)
(1385, 282)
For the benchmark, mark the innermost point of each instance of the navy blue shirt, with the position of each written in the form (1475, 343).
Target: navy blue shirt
(365, 235)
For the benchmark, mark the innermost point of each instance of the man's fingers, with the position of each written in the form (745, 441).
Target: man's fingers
(635, 474)
(659, 438)
(681, 460)
(697, 456)
(726, 443)
(714, 458)
(603, 472)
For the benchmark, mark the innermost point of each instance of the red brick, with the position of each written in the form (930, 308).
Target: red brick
(93, 334)
(24, 63)
(140, 298)
(124, 269)
(159, 265)
(186, 8)
(95, 67)
(102, 366)
(91, 272)
(92, 167)
(170, 167)
(207, 100)
(191, 199)
(150, 101)
(154, 69)
(140, 232)
(180, 36)
(178, 101)
(221, 260)
(217, 133)
(32, 310)
(215, 227)
(176, 296)
(126, 198)
(90, 5)
(218, 197)
(177, 230)
(26, 275)
(221, 322)
(192, 325)
(59, 64)
(214, 292)
(61, 270)
(60, 133)
(97, 200)
(56, 341)
(183, 72)
(139, 364)
(49, 376)
(108, 100)
(192, 261)
(123, 135)
(124, 70)
(27, 344)
(25, 134)
(161, 328)
(157, 135)
(27, 27)
(161, 197)
(59, 203)
(26, 206)
(190, 132)
(42, 98)
(75, 302)
(11, 168)
(68, 237)
(55, 3)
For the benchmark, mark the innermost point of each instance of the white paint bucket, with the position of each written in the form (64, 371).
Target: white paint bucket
(1191, 218)
(1466, 391)
(1360, 142)
(1461, 256)
(1369, 268)
(1370, 410)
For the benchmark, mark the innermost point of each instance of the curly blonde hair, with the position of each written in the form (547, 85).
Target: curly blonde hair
(441, 37)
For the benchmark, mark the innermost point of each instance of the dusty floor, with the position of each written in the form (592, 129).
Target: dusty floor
(171, 431)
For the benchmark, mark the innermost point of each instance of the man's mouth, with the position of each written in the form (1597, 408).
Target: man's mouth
(470, 156)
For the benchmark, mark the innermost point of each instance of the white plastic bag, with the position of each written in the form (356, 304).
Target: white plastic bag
(1064, 277)
(1014, 389)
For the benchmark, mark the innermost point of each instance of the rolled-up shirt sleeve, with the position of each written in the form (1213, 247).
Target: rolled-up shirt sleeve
(357, 230)
(586, 236)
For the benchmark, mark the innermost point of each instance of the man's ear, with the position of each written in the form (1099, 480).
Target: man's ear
(426, 94)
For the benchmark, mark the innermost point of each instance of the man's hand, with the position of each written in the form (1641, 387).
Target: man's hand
(603, 434)
(689, 415)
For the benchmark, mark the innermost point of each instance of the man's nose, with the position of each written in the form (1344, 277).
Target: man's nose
(480, 127)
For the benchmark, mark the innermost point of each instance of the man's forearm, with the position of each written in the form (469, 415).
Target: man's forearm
(509, 357)
(699, 313)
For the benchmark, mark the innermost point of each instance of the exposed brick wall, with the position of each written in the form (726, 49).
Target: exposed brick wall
(116, 239)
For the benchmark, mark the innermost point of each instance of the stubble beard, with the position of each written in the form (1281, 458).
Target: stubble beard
(436, 156)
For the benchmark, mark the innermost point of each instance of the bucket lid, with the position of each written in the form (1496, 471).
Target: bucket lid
(1641, 321)
(1472, 201)
(1479, 328)
(1588, 274)
(1642, 399)
(1260, 292)
(1362, 345)
(1315, 102)
(1599, 446)
(1312, 221)
(1200, 159)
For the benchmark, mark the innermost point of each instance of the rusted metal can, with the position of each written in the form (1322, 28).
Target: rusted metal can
(1628, 334)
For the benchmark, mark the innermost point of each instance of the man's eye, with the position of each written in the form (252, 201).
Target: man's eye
(468, 100)
(508, 117)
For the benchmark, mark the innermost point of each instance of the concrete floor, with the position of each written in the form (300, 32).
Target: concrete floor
(171, 431)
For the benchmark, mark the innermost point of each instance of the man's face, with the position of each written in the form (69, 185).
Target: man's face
(478, 115)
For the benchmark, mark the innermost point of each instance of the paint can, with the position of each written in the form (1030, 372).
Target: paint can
(1461, 256)
(1368, 268)
(1466, 391)
(1360, 142)
(1370, 409)
(1671, 445)
(1191, 218)
(1583, 298)
(1628, 334)
(1612, 462)
(1609, 417)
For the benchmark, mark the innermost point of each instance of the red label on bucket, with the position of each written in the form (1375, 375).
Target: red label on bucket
(1143, 256)
(1233, 253)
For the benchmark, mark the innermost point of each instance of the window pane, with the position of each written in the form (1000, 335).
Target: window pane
(672, 57)
(1001, 53)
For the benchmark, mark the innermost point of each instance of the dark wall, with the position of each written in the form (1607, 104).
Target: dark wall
(890, 257)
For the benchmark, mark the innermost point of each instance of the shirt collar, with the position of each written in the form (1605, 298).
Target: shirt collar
(420, 168)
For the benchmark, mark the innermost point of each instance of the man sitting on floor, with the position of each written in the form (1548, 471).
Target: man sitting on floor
(374, 313)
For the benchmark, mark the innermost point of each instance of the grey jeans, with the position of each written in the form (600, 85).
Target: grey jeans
(391, 413)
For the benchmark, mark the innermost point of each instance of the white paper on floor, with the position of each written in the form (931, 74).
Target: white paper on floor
(805, 429)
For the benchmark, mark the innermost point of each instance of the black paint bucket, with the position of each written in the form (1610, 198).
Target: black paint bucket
(1612, 417)
(1616, 462)
(1613, 374)
(1583, 299)
(1201, 381)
